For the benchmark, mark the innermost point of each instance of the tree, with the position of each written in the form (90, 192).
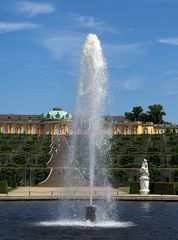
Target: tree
(156, 113)
(144, 117)
(135, 114)
(129, 116)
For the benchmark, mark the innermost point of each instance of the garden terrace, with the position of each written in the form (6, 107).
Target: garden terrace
(127, 153)
(23, 158)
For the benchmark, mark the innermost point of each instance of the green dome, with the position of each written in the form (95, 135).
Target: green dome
(57, 115)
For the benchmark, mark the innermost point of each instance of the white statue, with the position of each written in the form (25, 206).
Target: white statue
(144, 178)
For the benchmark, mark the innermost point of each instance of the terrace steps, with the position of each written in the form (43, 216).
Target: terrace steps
(63, 171)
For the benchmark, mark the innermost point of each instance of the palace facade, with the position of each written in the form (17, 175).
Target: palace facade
(60, 122)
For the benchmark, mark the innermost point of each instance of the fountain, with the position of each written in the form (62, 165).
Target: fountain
(90, 106)
(88, 148)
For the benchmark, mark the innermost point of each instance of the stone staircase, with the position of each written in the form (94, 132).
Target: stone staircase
(64, 168)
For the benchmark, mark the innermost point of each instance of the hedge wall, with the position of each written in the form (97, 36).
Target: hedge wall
(3, 187)
(157, 188)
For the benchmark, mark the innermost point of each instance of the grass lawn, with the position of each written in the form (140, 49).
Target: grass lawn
(124, 189)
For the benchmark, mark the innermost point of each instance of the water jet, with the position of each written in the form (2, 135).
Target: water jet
(90, 106)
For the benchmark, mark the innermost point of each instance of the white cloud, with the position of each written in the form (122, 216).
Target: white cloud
(125, 48)
(170, 82)
(170, 41)
(17, 26)
(122, 56)
(66, 45)
(133, 83)
(91, 22)
(32, 8)
(171, 87)
(87, 21)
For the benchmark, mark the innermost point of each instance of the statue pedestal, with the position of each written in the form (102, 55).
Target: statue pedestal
(144, 185)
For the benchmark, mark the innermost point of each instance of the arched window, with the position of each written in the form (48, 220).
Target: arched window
(145, 130)
(129, 131)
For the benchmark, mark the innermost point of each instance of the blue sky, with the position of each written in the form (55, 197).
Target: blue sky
(41, 41)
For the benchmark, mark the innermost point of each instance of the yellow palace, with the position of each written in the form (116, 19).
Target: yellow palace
(60, 122)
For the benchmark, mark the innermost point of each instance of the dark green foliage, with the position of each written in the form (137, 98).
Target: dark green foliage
(132, 149)
(174, 159)
(156, 188)
(128, 152)
(43, 158)
(154, 173)
(155, 114)
(18, 150)
(119, 177)
(165, 188)
(134, 187)
(11, 175)
(153, 149)
(41, 174)
(135, 114)
(144, 117)
(21, 157)
(3, 187)
(14, 176)
(176, 175)
(154, 159)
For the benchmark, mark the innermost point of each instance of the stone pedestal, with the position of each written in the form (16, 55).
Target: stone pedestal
(144, 185)
(90, 213)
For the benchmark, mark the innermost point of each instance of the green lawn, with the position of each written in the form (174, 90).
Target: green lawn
(124, 189)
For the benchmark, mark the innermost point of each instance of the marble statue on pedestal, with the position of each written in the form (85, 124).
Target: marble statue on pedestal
(144, 178)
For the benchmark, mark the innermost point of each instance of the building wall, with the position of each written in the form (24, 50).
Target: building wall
(66, 128)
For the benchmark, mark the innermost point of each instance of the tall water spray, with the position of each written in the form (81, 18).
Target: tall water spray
(91, 98)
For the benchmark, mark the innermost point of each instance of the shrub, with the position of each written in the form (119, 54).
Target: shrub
(41, 174)
(153, 149)
(119, 177)
(174, 159)
(134, 187)
(20, 159)
(156, 188)
(155, 159)
(11, 175)
(3, 187)
(155, 173)
(125, 159)
(165, 188)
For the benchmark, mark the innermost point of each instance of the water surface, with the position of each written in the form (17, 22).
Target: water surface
(44, 220)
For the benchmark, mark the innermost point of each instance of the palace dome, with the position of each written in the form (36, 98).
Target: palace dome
(57, 114)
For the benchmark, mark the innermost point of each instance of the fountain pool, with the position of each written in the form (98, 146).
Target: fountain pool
(138, 220)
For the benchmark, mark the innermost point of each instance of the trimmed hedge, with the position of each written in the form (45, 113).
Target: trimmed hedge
(165, 188)
(170, 188)
(11, 175)
(119, 177)
(41, 174)
(134, 188)
(15, 176)
(3, 187)
(20, 150)
(160, 150)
